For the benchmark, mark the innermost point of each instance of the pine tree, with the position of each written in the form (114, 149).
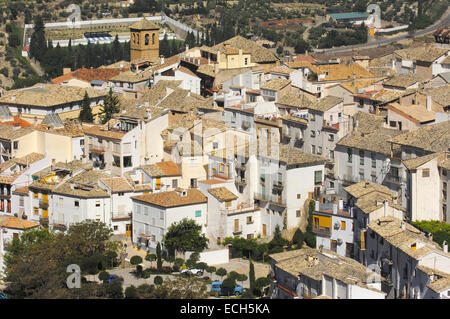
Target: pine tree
(86, 112)
(110, 107)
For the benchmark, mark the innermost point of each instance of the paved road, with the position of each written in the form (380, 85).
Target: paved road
(444, 20)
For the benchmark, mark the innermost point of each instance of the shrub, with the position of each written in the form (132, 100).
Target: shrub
(103, 275)
(136, 260)
(158, 280)
(131, 293)
(221, 272)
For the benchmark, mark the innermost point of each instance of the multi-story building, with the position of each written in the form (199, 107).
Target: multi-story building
(310, 273)
(411, 262)
(154, 213)
(333, 227)
(134, 140)
(368, 202)
(278, 190)
(42, 99)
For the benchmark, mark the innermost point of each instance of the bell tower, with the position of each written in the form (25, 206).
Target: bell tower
(144, 41)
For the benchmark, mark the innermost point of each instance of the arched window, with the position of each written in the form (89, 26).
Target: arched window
(153, 38)
(133, 38)
(137, 37)
(146, 39)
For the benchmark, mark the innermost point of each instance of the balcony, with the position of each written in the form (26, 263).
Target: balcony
(43, 204)
(394, 179)
(278, 201)
(261, 197)
(278, 185)
(320, 230)
(60, 226)
(96, 148)
(43, 221)
(237, 231)
(277, 122)
(333, 126)
(5, 196)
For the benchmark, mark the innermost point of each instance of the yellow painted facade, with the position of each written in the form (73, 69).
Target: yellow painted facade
(234, 60)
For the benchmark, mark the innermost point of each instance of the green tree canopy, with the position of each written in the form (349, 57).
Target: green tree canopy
(136, 260)
(111, 106)
(185, 236)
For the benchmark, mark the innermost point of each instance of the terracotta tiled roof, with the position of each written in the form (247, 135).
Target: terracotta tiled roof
(117, 184)
(433, 137)
(17, 223)
(341, 71)
(144, 24)
(414, 163)
(303, 64)
(415, 113)
(326, 103)
(375, 141)
(298, 100)
(363, 188)
(423, 53)
(48, 95)
(168, 168)
(173, 198)
(275, 84)
(88, 75)
(282, 70)
(259, 53)
(223, 194)
(211, 181)
(403, 80)
(98, 131)
(8, 132)
(18, 122)
(21, 190)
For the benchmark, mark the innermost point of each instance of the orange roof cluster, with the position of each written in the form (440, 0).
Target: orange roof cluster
(17, 223)
(18, 122)
(173, 198)
(102, 74)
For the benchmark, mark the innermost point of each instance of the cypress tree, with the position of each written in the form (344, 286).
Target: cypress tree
(38, 45)
(251, 276)
(158, 257)
(86, 112)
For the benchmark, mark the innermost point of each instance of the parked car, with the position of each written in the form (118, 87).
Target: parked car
(192, 271)
(216, 286)
(112, 278)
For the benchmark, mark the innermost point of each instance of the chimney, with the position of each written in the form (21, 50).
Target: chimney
(187, 48)
(316, 206)
(341, 204)
(335, 209)
(306, 53)
(66, 70)
(430, 236)
(121, 67)
(316, 261)
(366, 184)
(445, 246)
(162, 59)
(385, 208)
(13, 98)
(428, 103)
(403, 226)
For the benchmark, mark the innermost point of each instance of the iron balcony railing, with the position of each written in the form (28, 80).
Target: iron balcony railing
(320, 230)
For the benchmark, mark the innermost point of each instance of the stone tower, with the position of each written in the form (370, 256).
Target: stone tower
(144, 41)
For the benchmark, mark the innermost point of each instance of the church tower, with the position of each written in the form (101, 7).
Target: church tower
(144, 41)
